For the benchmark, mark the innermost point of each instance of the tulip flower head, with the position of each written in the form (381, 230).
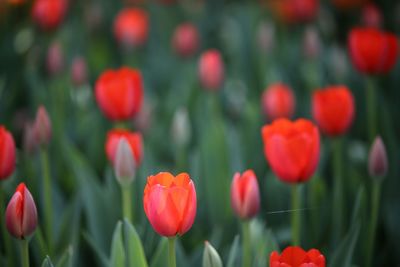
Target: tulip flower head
(292, 149)
(42, 126)
(48, 14)
(333, 109)
(78, 71)
(211, 70)
(377, 160)
(371, 16)
(124, 165)
(7, 153)
(134, 139)
(297, 257)
(245, 194)
(185, 40)
(21, 214)
(55, 59)
(170, 203)
(131, 27)
(278, 101)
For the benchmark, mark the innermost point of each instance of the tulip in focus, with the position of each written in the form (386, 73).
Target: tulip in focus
(211, 70)
(371, 16)
(134, 139)
(119, 93)
(333, 109)
(21, 214)
(7, 153)
(297, 257)
(170, 203)
(55, 59)
(48, 14)
(78, 71)
(131, 27)
(42, 126)
(278, 101)
(124, 164)
(377, 160)
(185, 40)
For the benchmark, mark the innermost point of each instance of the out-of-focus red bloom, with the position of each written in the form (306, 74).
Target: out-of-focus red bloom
(134, 139)
(42, 126)
(245, 194)
(55, 59)
(48, 14)
(131, 27)
(185, 40)
(371, 16)
(7, 153)
(211, 69)
(292, 149)
(21, 214)
(372, 51)
(119, 93)
(348, 4)
(278, 101)
(79, 71)
(297, 257)
(170, 203)
(294, 11)
(333, 109)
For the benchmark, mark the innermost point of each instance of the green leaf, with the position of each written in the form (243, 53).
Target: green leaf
(211, 257)
(66, 258)
(47, 262)
(234, 251)
(134, 248)
(161, 255)
(117, 248)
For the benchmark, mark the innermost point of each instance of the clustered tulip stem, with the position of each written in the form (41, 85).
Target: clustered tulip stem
(376, 193)
(171, 252)
(127, 202)
(24, 252)
(296, 219)
(48, 214)
(338, 195)
(246, 251)
(371, 108)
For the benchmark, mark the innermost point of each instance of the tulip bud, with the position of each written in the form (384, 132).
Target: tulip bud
(124, 165)
(21, 214)
(7, 153)
(42, 126)
(131, 27)
(211, 70)
(266, 37)
(29, 142)
(377, 160)
(371, 16)
(278, 101)
(48, 14)
(210, 256)
(181, 127)
(134, 140)
(185, 40)
(55, 59)
(245, 194)
(79, 71)
(311, 43)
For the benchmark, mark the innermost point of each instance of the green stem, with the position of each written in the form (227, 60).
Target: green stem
(48, 209)
(296, 219)
(127, 202)
(171, 252)
(246, 251)
(5, 235)
(338, 194)
(371, 108)
(376, 193)
(24, 253)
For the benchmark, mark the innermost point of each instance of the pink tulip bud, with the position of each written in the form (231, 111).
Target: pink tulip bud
(211, 70)
(371, 16)
(185, 40)
(42, 126)
(29, 138)
(377, 161)
(311, 43)
(124, 165)
(21, 214)
(55, 59)
(245, 195)
(79, 71)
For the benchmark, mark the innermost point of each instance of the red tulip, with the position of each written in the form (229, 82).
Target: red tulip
(297, 257)
(21, 214)
(170, 203)
(211, 70)
(7, 153)
(333, 109)
(134, 139)
(372, 51)
(292, 149)
(371, 16)
(278, 101)
(119, 93)
(42, 126)
(48, 14)
(294, 11)
(245, 194)
(131, 27)
(78, 71)
(185, 40)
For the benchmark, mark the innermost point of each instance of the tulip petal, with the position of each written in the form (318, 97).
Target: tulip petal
(294, 256)
(14, 215)
(29, 218)
(190, 210)
(251, 202)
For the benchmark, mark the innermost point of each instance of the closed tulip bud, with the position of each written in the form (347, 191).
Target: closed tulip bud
(42, 126)
(48, 14)
(7, 153)
(210, 256)
(55, 59)
(134, 139)
(124, 165)
(79, 71)
(181, 127)
(211, 70)
(278, 101)
(245, 194)
(311, 43)
(29, 138)
(377, 160)
(21, 214)
(371, 16)
(185, 40)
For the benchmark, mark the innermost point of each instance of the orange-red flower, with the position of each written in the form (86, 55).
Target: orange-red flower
(7, 153)
(211, 70)
(297, 257)
(131, 27)
(333, 109)
(134, 139)
(278, 101)
(245, 194)
(170, 203)
(372, 51)
(48, 14)
(185, 40)
(119, 93)
(21, 214)
(292, 149)
(294, 11)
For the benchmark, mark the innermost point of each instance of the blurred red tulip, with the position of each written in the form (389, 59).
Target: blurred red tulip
(245, 194)
(371, 16)
(377, 160)
(294, 11)
(21, 214)
(48, 14)
(297, 257)
(42, 126)
(131, 27)
(333, 109)
(79, 71)
(211, 70)
(7, 153)
(292, 149)
(170, 203)
(55, 59)
(278, 101)
(134, 139)
(185, 40)
(372, 51)
(119, 93)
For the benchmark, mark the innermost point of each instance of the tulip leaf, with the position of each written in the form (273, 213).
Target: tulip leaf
(66, 258)
(117, 248)
(94, 246)
(134, 248)
(47, 262)
(234, 251)
(211, 257)
(161, 255)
